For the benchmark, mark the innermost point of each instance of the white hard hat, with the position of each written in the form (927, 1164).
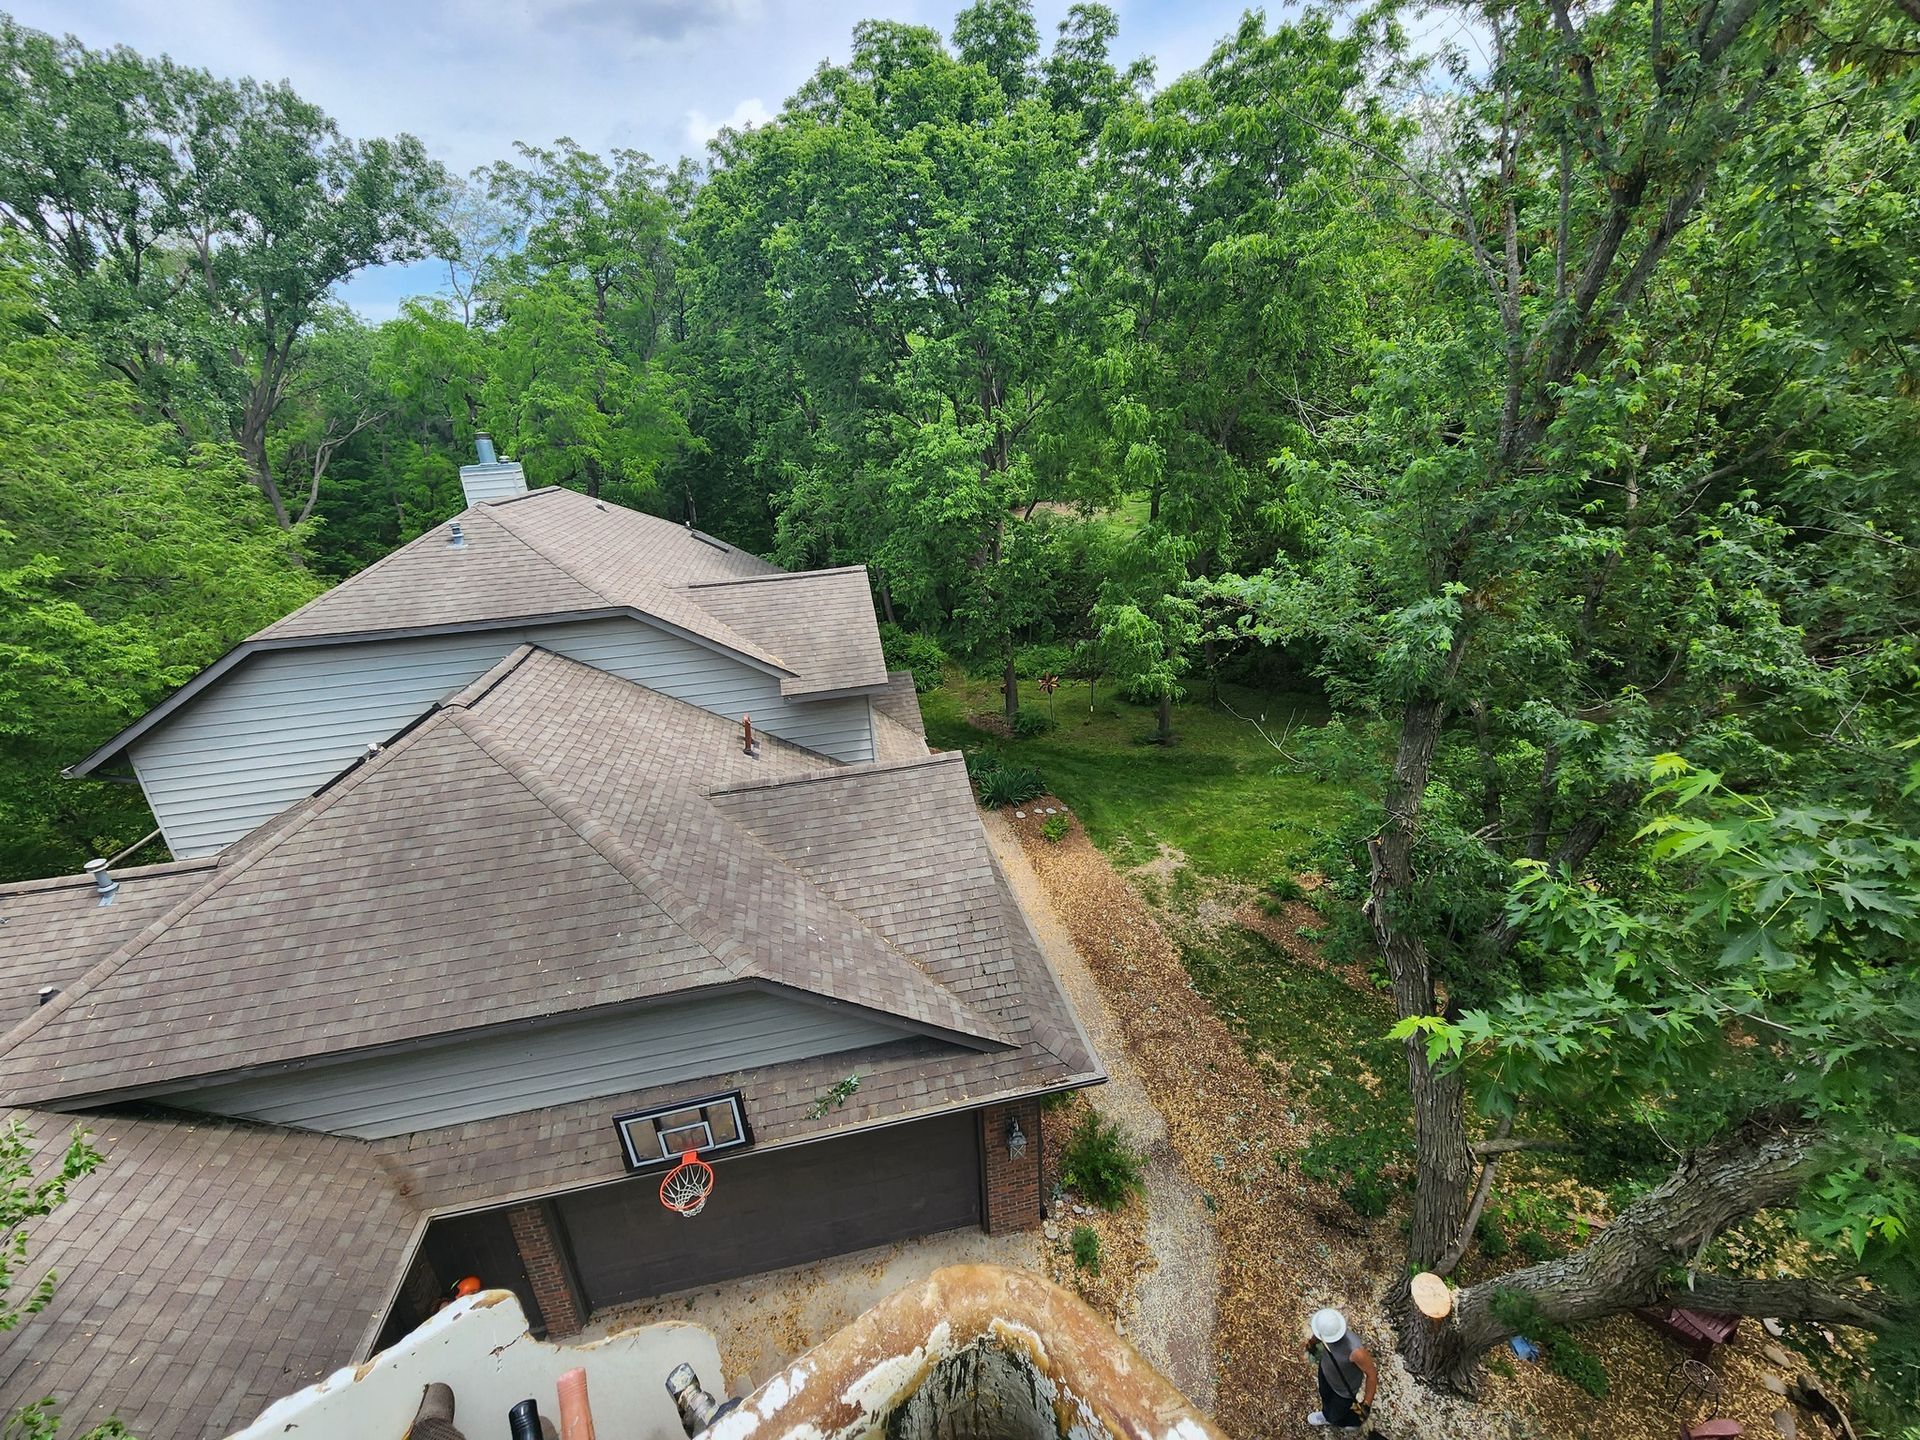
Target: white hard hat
(1328, 1326)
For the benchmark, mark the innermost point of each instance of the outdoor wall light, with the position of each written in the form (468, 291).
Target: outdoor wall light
(1016, 1139)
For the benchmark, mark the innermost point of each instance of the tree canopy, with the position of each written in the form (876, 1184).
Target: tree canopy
(1547, 402)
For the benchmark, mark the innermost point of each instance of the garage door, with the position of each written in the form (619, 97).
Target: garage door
(783, 1207)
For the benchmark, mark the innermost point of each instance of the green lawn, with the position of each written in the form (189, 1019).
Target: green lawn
(1218, 794)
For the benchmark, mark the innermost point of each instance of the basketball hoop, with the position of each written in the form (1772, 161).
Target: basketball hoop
(687, 1185)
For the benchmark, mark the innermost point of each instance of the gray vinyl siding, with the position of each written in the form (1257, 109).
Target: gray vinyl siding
(284, 722)
(455, 1082)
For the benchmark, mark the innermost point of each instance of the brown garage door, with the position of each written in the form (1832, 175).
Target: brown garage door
(777, 1208)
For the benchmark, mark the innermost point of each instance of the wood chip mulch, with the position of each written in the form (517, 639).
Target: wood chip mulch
(1287, 1244)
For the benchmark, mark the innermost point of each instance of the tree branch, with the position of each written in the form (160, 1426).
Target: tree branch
(1504, 1145)
(1817, 1300)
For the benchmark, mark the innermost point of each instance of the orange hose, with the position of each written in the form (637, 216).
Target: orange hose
(576, 1416)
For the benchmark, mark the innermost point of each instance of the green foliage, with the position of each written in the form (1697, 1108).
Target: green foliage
(1056, 828)
(124, 568)
(1099, 1164)
(1000, 782)
(1535, 1246)
(1086, 1248)
(920, 654)
(835, 1096)
(1215, 797)
(1564, 1355)
(1030, 722)
(1491, 1237)
(1366, 1194)
(1055, 1102)
(1285, 888)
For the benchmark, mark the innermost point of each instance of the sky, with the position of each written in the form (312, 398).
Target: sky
(470, 77)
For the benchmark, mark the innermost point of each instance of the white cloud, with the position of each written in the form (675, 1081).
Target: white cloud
(746, 114)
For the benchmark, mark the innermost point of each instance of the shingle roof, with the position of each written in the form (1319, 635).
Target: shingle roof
(819, 622)
(205, 1269)
(52, 931)
(541, 844)
(554, 554)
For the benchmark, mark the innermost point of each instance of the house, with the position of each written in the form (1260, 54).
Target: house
(487, 904)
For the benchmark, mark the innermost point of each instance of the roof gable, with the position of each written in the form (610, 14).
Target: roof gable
(542, 844)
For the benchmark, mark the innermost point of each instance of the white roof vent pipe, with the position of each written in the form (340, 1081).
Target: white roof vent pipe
(456, 537)
(104, 885)
(491, 478)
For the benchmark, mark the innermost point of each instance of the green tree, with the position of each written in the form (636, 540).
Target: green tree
(886, 270)
(1592, 507)
(1756, 995)
(193, 229)
(585, 312)
(1146, 626)
(124, 570)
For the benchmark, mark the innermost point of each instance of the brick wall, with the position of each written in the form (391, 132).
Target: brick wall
(1013, 1194)
(537, 1234)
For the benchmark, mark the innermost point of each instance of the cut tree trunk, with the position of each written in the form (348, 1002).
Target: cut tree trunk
(1444, 1165)
(1641, 1258)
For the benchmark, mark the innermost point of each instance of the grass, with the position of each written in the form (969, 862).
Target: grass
(1217, 794)
(1333, 1039)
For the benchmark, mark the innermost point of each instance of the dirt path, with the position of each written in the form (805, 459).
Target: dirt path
(1174, 1304)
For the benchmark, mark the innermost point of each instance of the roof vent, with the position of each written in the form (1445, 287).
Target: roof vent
(483, 443)
(48, 993)
(456, 537)
(103, 882)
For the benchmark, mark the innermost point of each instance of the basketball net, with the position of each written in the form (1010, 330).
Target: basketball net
(686, 1186)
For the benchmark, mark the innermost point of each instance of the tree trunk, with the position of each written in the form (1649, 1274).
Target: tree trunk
(1444, 1166)
(886, 597)
(253, 448)
(1010, 688)
(1640, 1258)
(1166, 719)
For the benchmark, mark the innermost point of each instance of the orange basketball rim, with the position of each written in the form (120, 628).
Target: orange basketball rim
(686, 1186)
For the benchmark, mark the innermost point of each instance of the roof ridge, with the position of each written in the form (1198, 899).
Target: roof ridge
(229, 863)
(846, 772)
(13, 889)
(477, 689)
(473, 513)
(765, 579)
(684, 913)
(686, 916)
(738, 643)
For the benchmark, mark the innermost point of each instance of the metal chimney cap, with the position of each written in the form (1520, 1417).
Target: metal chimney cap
(456, 537)
(483, 446)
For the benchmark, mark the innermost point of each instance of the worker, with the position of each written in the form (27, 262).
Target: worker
(1346, 1372)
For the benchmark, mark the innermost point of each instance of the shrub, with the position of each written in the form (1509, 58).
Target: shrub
(1054, 1101)
(1564, 1355)
(1100, 1164)
(1492, 1239)
(1535, 1246)
(1367, 1194)
(904, 650)
(1001, 784)
(1028, 723)
(1285, 887)
(1086, 1248)
(1030, 662)
(1055, 829)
